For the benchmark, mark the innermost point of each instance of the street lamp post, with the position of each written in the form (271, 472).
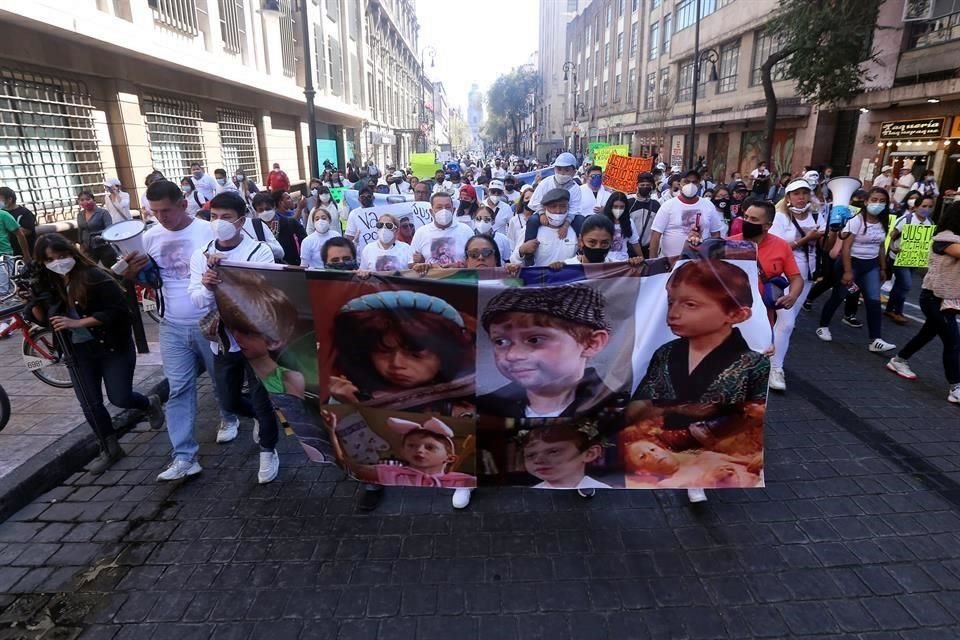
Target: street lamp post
(699, 57)
(569, 67)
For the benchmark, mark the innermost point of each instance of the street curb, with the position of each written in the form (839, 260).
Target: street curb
(66, 456)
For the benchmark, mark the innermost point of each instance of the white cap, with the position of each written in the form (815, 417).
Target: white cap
(565, 159)
(111, 182)
(797, 184)
(886, 167)
(812, 177)
(398, 174)
(526, 187)
(495, 184)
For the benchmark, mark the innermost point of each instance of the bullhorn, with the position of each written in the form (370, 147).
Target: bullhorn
(842, 189)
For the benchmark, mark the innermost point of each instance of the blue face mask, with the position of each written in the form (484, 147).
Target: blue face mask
(876, 208)
(596, 181)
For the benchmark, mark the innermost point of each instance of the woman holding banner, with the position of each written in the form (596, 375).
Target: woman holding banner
(903, 276)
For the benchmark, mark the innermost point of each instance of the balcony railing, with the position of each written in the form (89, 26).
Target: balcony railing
(934, 32)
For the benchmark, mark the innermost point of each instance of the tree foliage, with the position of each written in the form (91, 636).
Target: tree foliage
(823, 46)
(507, 101)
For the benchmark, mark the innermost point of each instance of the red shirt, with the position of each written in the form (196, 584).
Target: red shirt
(774, 256)
(277, 180)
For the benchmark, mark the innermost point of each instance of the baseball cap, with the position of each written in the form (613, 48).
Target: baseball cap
(797, 184)
(812, 177)
(398, 174)
(886, 167)
(495, 184)
(469, 191)
(565, 159)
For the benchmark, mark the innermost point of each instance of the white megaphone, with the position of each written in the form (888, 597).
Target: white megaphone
(842, 190)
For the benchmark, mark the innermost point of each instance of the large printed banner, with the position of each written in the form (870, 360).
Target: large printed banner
(606, 376)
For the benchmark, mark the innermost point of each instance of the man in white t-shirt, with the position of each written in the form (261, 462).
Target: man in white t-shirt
(204, 183)
(183, 348)
(442, 242)
(548, 247)
(510, 190)
(502, 210)
(498, 172)
(362, 221)
(885, 179)
(679, 218)
(231, 369)
(593, 195)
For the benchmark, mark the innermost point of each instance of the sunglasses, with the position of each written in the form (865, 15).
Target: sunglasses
(386, 225)
(476, 254)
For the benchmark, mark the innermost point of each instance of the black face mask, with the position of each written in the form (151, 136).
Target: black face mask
(752, 229)
(466, 207)
(526, 205)
(721, 204)
(644, 192)
(345, 265)
(593, 255)
(366, 201)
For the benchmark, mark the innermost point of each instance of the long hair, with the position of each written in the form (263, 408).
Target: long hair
(624, 220)
(885, 215)
(79, 276)
(950, 219)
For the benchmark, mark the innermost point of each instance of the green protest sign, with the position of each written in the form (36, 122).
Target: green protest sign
(593, 146)
(915, 241)
(603, 154)
(423, 165)
(336, 193)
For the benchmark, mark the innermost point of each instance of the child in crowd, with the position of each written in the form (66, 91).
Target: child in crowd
(403, 349)
(427, 449)
(558, 456)
(542, 340)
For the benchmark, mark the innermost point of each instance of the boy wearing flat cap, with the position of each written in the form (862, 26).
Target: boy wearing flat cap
(547, 244)
(542, 339)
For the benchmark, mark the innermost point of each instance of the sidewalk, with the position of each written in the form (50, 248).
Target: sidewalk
(856, 537)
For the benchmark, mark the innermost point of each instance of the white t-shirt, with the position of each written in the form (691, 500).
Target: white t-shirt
(516, 229)
(549, 183)
(502, 211)
(396, 258)
(498, 173)
(784, 228)
(866, 243)
(441, 246)
(173, 251)
(618, 248)
(675, 220)
(206, 185)
(195, 201)
(513, 198)
(882, 181)
(362, 225)
(331, 209)
(312, 244)
(589, 199)
(552, 248)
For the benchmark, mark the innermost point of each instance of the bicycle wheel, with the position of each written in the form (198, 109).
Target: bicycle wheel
(43, 358)
(149, 303)
(4, 408)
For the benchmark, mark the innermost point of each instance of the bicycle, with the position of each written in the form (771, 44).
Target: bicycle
(41, 354)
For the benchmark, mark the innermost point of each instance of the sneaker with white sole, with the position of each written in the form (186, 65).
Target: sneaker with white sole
(461, 498)
(852, 321)
(954, 395)
(824, 334)
(269, 466)
(256, 431)
(228, 430)
(880, 345)
(901, 367)
(179, 469)
(777, 382)
(696, 495)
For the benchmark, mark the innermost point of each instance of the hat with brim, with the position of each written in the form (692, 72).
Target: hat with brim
(433, 426)
(796, 185)
(555, 195)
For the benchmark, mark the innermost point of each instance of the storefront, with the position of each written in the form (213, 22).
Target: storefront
(917, 145)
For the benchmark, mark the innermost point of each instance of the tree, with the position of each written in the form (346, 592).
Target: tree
(507, 99)
(823, 45)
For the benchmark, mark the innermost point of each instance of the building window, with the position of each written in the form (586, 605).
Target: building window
(617, 89)
(664, 82)
(685, 81)
(609, 14)
(232, 25)
(620, 7)
(654, 41)
(587, 40)
(729, 66)
(635, 5)
(320, 60)
(175, 134)
(686, 11)
(238, 142)
(287, 39)
(48, 142)
(763, 46)
(667, 33)
(334, 66)
(619, 45)
(571, 6)
(333, 10)
(634, 32)
(650, 99)
(654, 4)
(930, 33)
(631, 85)
(606, 92)
(176, 14)
(606, 55)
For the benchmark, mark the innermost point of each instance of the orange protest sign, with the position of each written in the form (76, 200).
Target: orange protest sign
(622, 171)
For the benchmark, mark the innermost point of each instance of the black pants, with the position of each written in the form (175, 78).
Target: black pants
(229, 372)
(937, 324)
(828, 282)
(96, 367)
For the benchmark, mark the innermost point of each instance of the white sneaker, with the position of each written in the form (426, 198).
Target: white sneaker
(179, 469)
(901, 367)
(954, 395)
(880, 345)
(256, 431)
(228, 431)
(886, 287)
(778, 381)
(461, 498)
(269, 466)
(696, 495)
(824, 334)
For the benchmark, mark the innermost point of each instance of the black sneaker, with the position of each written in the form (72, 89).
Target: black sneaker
(807, 305)
(372, 495)
(852, 321)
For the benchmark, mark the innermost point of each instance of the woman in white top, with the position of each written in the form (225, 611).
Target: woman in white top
(517, 226)
(322, 229)
(483, 225)
(116, 201)
(596, 238)
(323, 201)
(864, 267)
(386, 254)
(799, 223)
(195, 199)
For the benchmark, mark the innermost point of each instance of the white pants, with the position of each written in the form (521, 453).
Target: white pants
(783, 327)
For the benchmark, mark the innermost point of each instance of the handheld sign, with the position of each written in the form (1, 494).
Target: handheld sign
(915, 241)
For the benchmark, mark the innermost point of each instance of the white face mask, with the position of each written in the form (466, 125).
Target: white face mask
(224, 231)
(325, 198)
(443, 218)
(556, 219)
(386, 235)
(689, 190)
(562, 179)
(267, 215)
(321, 226)
(61, 266)
(912, 202)
(483, 226)
(617, 211)
(800, 209)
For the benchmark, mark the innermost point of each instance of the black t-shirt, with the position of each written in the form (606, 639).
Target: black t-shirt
(28, 222)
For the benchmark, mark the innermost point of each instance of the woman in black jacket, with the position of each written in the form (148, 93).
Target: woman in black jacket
(277, 212)
(88, 309)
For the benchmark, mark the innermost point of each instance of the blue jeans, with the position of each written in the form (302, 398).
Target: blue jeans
(866, 274)
(902, 281)
(186, 354)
